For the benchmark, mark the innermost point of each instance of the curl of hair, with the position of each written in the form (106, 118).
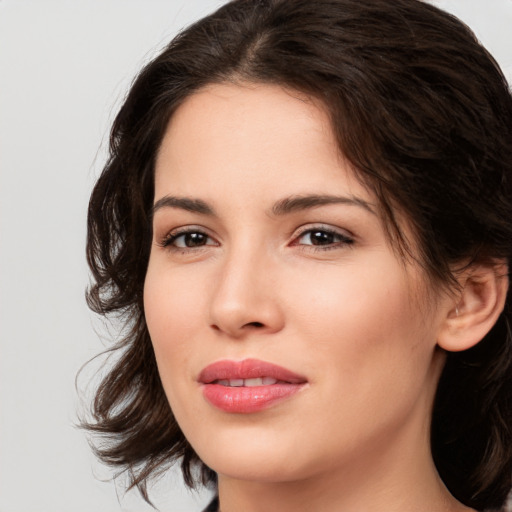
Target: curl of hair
(422, 112)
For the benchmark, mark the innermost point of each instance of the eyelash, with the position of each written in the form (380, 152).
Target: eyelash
(170, 239)
(343, 240)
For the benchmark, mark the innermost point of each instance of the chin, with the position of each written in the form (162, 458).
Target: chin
(251, 455)
(263, 468)
(264, 458)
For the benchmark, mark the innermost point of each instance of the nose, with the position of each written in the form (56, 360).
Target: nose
(245, 299)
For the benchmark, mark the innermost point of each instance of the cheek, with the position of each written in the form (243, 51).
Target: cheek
(364, 324)
(172, 310)
(356, 300)
(172, 316)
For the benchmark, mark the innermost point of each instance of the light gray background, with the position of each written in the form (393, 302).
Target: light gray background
(64, 68)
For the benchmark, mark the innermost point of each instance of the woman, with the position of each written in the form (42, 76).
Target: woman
(306, 224)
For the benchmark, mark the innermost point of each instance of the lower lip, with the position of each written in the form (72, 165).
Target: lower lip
(248, 399)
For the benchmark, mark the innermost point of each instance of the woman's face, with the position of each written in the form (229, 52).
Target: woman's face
(290, 338)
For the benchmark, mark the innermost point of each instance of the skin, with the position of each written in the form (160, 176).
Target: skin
(352, 317)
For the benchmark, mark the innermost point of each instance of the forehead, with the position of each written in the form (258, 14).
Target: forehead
(252, 136)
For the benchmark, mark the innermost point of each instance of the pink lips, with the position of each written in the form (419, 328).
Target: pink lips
(234, 386)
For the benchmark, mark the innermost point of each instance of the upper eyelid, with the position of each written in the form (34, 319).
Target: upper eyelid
(183, 230)
(301, 229)
(188, 229)
(322, 227)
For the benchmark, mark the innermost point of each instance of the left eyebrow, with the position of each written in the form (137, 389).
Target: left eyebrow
(298, 203)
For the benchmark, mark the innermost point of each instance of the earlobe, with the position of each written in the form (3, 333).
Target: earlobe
(476, 308)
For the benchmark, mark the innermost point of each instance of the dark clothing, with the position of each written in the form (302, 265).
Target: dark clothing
(213, 506)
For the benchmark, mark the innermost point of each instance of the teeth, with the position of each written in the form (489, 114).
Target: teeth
(253, 382)
(258, 381)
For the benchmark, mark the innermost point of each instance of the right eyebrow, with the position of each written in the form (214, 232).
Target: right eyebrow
(296, 203)
(184, 203)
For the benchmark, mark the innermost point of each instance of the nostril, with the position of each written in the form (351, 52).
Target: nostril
(254, 324)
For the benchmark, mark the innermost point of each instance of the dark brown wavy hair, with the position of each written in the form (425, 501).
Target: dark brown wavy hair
(423, 113)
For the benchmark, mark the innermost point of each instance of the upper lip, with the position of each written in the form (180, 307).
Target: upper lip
(247, 369)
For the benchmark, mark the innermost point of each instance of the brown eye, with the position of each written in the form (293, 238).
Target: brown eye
(323, 237)
(188, 240)
(192, 240)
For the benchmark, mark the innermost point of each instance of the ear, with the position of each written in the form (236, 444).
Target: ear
(476, 307)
